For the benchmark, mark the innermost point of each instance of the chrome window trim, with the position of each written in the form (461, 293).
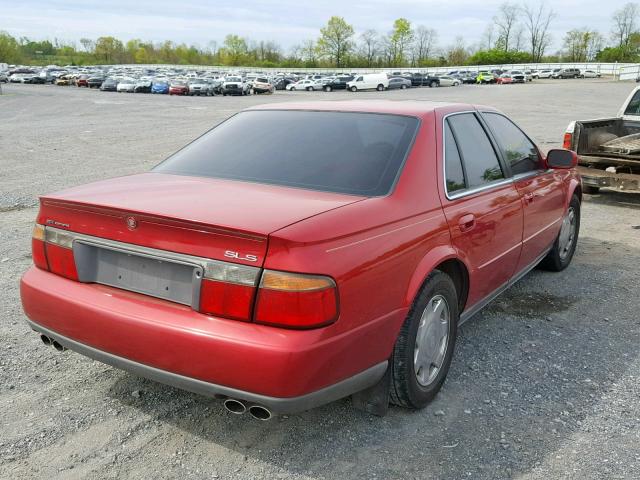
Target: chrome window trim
(167, 255)
(466, 191)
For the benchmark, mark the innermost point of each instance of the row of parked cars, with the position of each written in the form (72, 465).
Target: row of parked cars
(177, 81)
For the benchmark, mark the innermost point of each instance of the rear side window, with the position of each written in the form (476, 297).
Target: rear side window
(344, 152)
(521, 155)
(480, 160)
(453, 163)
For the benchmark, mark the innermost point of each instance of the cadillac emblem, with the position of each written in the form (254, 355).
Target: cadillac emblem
(132, 223)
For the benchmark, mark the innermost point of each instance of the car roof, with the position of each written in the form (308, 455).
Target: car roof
(414, 108)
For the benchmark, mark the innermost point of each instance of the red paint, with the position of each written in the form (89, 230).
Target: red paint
(377, 250)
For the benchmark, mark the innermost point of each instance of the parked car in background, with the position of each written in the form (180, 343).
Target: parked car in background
(95, 81)
(486, 77)
(306, 84)
(281, 83)
(555, 73)
(517, 76)
(569, 73)
(449, 81)
(160, 86)
(234, 85)
(372, 81)
(504, 79)
(590, 74)
(528, 75)
(142, 86)
(337, 83)
(63, 80)
(468, 77)
(126, 85)
(547, 73)
(243, 267)
(4, 78)
(262, 85)
(109, 85)
(81, 81)
(200, 87)
(178, 87)
(399, 83)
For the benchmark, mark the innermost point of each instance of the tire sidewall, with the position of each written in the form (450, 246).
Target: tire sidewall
(564, 263)
(417, 395)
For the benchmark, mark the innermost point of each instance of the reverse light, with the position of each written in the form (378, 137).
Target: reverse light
(294, 300)
(59, 250)
(228, 290)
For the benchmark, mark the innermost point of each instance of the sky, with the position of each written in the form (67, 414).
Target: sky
(288, 22)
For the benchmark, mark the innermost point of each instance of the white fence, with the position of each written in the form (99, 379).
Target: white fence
(623, 71)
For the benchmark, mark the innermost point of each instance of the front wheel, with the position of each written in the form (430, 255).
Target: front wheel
(403, 87)
(354, 89)
(309, 89)
(424, 348)
(560, 255)
(433, 84)
(380, 87)
(327, 88)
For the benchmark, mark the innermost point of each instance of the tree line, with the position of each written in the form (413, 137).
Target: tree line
(518, 33)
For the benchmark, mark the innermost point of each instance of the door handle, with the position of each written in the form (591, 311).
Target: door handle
(467, 222)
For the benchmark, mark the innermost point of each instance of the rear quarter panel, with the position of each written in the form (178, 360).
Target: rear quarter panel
(378, 250)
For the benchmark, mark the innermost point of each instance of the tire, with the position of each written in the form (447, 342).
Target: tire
(403, 87)
(590, 190)
(327, 88)
(309, 89)
(433, 84)
(292, 89)
(415, 389)
(380, 88)
(560, 255)
(354, 89)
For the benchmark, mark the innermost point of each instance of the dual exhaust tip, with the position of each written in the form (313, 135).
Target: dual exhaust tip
(238, 407)
(51, 342)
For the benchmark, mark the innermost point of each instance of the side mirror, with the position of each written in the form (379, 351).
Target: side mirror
(561, 159)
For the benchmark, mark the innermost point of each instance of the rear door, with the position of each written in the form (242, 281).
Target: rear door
(481, 204)
(541, 190)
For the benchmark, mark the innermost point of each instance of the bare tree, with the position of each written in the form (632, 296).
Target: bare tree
(486, 43)
(624, 24)
(87, 44)
(537, 24)
(369, 46)
(424, 44)
(506, 23)
(457, 53)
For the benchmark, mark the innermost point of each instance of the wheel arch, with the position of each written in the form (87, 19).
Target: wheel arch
(446, 260)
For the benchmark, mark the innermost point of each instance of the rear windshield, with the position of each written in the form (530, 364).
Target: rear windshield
(344, 152)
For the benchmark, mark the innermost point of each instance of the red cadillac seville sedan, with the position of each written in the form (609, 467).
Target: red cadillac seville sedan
(334, 251)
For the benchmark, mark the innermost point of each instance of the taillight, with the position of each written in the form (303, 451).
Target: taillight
(37, 247)
(296, 301)
(59, 249)
(228, 290)
(568, 139)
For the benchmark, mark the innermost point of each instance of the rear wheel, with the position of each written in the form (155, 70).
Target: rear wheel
(403, 87)
(380, 87)
(327, 88)
(560, 255)
(309, 89)
(424, 348)
(433, 84)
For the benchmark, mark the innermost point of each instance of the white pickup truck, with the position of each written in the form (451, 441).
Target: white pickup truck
(609, 148)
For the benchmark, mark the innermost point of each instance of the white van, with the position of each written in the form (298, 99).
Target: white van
(377, 81)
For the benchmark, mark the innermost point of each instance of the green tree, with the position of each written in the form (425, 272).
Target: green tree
(9, 49)
(335, 40)
(109, 49)
(399, 40)
(234, 49)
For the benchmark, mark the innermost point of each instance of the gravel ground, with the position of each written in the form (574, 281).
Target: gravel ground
(544, 384)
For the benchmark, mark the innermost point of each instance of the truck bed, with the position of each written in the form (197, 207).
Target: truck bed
(609, 153)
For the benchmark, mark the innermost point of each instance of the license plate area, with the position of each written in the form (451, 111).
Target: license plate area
(138, 272)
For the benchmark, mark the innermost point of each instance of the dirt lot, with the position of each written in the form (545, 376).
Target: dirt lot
(545, 382)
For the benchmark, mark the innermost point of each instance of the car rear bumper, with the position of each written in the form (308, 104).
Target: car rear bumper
(284, 370)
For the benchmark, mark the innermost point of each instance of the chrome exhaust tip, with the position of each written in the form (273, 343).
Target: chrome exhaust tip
(235, 406)
(46, 340)
(260, 413)
(58, 347)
